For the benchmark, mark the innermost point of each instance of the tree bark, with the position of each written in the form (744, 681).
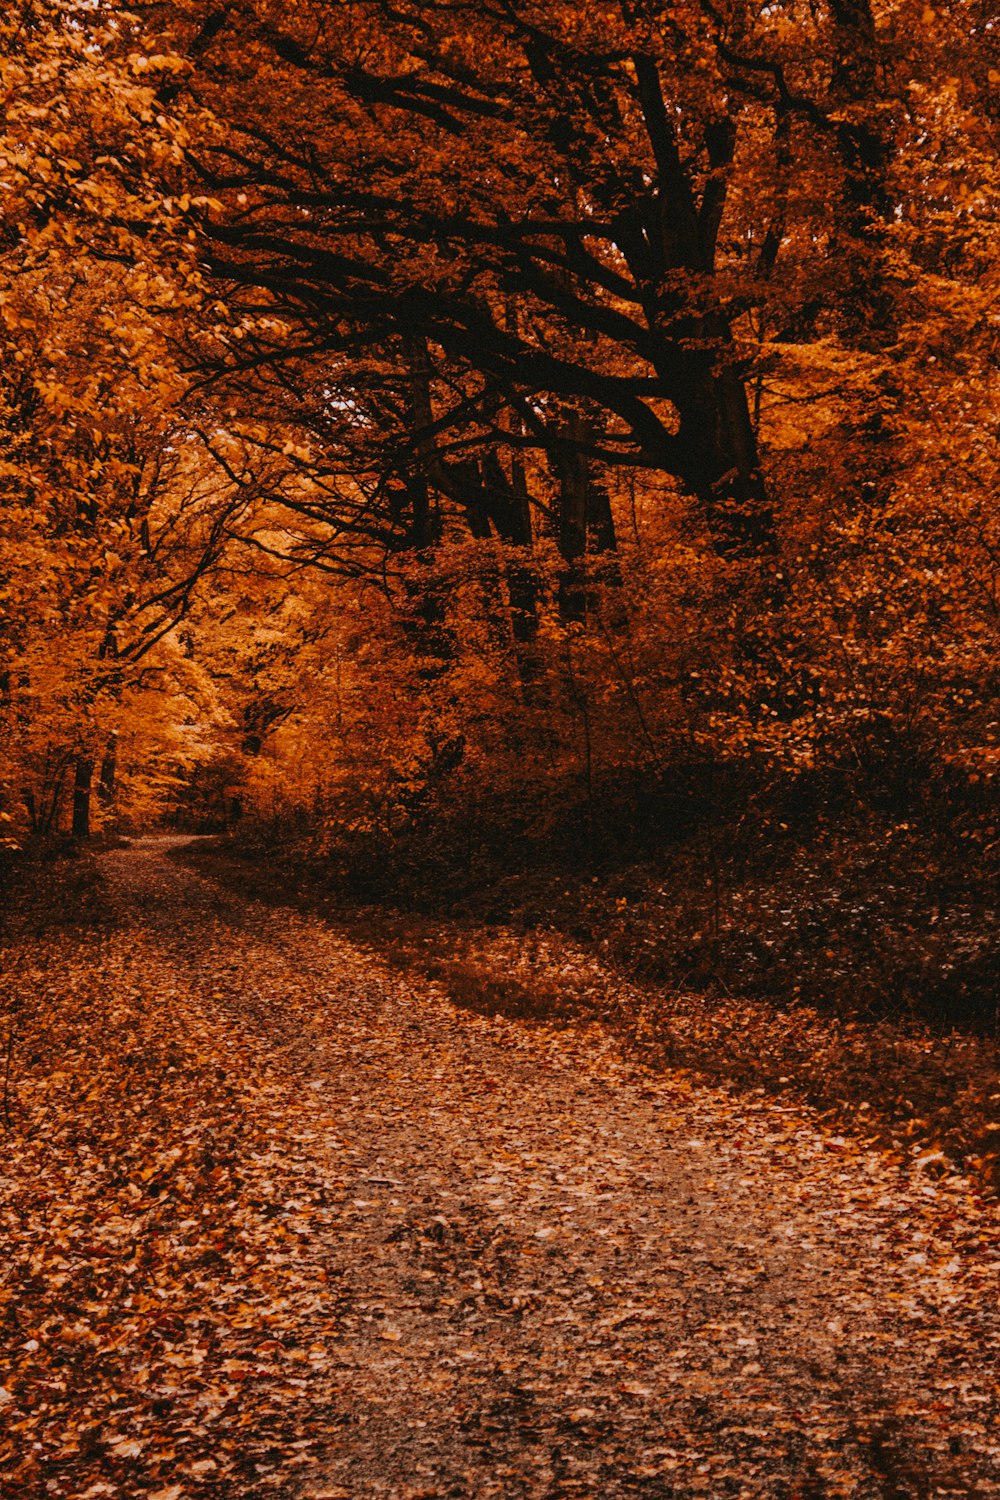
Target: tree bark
(572, 530)
(109, 770)
(586, 523)
(422, 415)
(722, 461)
(82, 778)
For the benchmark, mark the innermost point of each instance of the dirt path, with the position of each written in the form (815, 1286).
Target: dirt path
(543, 1271)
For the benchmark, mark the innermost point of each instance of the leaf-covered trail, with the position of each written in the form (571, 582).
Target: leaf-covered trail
(464, 1256)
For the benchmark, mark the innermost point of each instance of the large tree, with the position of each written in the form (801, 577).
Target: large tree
(457, 237)
(529, 208)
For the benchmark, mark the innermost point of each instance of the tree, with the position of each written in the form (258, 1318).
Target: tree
(580, 270)
(637, 355)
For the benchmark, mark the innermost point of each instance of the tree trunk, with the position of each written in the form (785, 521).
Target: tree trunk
(864, 137)
(571, 536)
(109, 769)
(509, 507)
(82, 778)
(585, 522)
(422, 417)
(671, 249)
(722, 462)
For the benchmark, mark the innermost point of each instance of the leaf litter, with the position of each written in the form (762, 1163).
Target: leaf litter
(283, 1222)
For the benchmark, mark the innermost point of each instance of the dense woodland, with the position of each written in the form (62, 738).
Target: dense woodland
(522, 478)
(443, 440)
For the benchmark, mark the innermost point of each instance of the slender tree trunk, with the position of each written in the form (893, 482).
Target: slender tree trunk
(53, 789)
(109, 770)
(522, 583)
(509, 507)
(601, 536)
(82, 779)
(586, 522)
(422, 415)
(572, 532)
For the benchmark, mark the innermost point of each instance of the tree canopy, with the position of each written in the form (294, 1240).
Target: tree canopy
(495, 399)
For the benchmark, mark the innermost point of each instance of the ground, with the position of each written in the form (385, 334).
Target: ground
(284, 1221)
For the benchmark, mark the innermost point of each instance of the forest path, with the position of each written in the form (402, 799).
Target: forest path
(546, 1271)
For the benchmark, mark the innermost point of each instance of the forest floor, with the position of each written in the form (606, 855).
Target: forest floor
(286, 1221)
(855, 1020)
